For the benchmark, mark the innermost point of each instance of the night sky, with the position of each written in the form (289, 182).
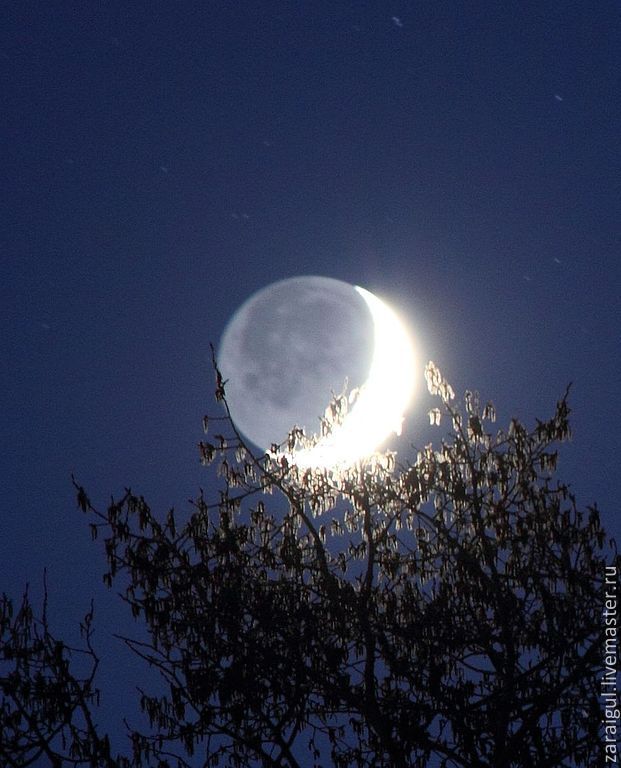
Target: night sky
(163, 161)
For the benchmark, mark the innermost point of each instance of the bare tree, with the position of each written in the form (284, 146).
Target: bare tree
(446, 611)
(45, 705)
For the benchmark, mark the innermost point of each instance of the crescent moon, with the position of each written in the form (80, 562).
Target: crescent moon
(384, 398)
(293, 343)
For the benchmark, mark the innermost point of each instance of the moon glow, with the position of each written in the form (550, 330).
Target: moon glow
(291, 346)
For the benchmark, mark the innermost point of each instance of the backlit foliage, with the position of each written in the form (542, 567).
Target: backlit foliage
(444, 612)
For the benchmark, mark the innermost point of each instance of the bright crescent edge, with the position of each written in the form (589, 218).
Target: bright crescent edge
(384, 398)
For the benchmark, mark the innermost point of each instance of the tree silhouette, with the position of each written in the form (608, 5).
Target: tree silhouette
(45, 709)
(444, 612)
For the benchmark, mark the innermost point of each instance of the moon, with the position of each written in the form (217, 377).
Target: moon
(294, 344)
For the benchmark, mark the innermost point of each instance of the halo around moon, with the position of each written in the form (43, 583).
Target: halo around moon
(294, 344)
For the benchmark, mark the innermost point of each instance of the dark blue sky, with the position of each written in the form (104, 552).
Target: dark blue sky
(163, 161)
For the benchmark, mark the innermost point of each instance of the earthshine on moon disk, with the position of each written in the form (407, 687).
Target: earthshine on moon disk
(295, 343)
